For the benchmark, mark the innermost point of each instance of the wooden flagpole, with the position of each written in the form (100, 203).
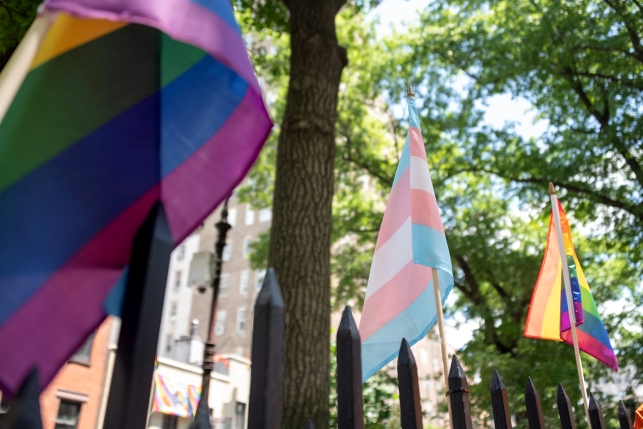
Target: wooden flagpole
(568, 294)
(443, 342)
(438, 306)
(19, 64)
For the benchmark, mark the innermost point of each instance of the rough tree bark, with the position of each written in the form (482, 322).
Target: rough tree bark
(301, 228)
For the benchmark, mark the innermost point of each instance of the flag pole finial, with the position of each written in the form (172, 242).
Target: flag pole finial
(552, 191)
(409, 92)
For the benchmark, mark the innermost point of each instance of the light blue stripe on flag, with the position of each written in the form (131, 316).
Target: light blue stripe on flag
(413, 324)
(430, 248)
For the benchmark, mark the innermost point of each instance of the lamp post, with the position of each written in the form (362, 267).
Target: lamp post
(208, 354)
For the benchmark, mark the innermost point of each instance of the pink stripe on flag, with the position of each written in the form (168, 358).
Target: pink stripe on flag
(235, 141)
(71, 312)
(416, 144)
(424, 210)
(392, 298)
(398, 209)
(593, 347)
(180, 19)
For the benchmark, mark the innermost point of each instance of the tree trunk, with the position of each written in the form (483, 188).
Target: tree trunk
(301, 228)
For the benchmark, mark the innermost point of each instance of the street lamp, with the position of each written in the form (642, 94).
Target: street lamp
(202, 415)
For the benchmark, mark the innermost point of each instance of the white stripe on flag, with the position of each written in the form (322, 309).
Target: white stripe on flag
(391, 258)
(420, 176)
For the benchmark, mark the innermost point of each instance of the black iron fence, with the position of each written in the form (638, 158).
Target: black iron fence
(267, 374)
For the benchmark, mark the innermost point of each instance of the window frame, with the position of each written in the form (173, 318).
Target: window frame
(64, 424)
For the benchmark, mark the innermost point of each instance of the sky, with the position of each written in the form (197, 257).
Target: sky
(500, 110)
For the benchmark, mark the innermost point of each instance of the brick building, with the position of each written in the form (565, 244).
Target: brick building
(76, 397)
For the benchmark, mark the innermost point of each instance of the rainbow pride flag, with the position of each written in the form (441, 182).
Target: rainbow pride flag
(549, 313)
(126, 103)
(175, 398)
(400, 300)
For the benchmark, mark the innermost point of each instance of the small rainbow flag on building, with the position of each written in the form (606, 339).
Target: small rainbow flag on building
(548, 313)
(175, 398)
(400, 300)
(123, 103)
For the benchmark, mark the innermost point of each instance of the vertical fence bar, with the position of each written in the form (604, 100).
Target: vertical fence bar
(266, 381)
(499, 402)
(458, 394)
(565, 409)
(624, 418)
(141, 319)
(350, 403)
(309, 424)
(201, 416)
(407, 378)
(24, 408)
(534, 409)
(595, 413)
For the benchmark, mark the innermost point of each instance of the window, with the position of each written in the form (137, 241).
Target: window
(265, 215)
(168, 343)
(84, 353)
(436, 364)
(68, 413)
(224, 285)
(259, 276)
(243, 282)
(173, 308)
(177, 279)
(227, 251)
(241, 320)
(180, 253)
(424, 356)
(238, 351)
(240, 418)
(169, 421)
(219, 327)
(250, 216)
(232, 217)
(246, 247)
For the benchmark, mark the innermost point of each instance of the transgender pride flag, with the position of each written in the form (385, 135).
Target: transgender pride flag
(400, 300)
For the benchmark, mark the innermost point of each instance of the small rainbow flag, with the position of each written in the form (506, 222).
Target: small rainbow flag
(549, 313)
(400, 300)
(125, 103)
(175, 398)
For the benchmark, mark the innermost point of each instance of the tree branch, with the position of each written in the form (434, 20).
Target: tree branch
(603, 76)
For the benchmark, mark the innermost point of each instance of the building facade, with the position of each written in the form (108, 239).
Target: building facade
(76, 398)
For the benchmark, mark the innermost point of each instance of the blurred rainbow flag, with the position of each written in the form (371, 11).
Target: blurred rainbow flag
(548, 313)
(110, 107)
(175, 398)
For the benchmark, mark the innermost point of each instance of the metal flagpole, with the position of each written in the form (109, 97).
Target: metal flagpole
(438, 305)
(568, 294)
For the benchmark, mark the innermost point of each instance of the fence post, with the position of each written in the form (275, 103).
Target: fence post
(309, 424)
(350, 403)
(266, 381)
(624, 418)
(24, 408)
(201, 416)
(407, 378)
(595, 413)
(499, 403)
(458, 394)
(565, 409)
(534, 410)
(127, 406)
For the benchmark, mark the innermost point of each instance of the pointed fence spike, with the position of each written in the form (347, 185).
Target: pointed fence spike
(565, 409)
(24, 408)
(458, 394)
(534, 409)
(266, 381)
(201, 417)
(624, 418)
(309, 424)
(409, 386)
(499, 402)
(127, 406)
(350, 403)
(595, 413)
